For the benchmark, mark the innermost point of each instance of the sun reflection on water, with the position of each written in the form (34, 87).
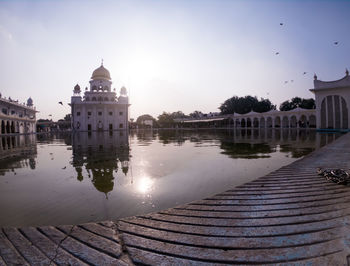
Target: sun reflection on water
(144, 184)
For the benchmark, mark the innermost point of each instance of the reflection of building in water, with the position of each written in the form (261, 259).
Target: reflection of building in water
(100, 109)
(17, 152)
(16, 117)
(101, 154)
(253, 143)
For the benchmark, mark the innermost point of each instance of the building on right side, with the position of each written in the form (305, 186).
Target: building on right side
(332, 103)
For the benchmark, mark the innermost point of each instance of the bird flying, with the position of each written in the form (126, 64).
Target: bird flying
(277, 53)
(60, 103)
(281, 24)
(304, 73)
(336, 43)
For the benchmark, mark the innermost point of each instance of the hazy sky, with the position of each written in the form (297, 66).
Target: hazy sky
(171, 55)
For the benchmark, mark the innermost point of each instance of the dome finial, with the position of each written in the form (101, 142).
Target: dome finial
(315, 77)
(346, 72)
(102, 62)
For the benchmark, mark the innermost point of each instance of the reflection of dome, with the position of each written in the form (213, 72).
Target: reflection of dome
(101, 73)
(103, 180)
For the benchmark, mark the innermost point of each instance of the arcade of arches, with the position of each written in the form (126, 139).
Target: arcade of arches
(13, 126)
(299, 118)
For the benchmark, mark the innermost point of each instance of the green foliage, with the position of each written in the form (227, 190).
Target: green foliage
(68, 117)
(196, 114)
(165, 119)
(298, 102)
(243, 105)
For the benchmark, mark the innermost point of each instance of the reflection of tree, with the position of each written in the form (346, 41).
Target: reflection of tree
(246, 150)
(296, 152)
(100, 154)
(171, 136)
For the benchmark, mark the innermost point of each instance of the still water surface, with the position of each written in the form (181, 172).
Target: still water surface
(69, 179)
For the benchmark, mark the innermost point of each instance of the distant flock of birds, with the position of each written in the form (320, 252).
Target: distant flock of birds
(304, 73)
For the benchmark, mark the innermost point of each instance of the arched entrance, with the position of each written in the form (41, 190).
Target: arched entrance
(3, 129)
(303, 121)
(285, 121)
(256, 122)
(237, 124)
(277, 121)
(269, 122)
(312, 121)
(293, 122)
(243, 122)
(262, 122)
(249, 122)
(334, 112)
(8, 128)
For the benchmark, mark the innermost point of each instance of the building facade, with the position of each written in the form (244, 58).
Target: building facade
(332, 102)
(99, 109)
(17, 118)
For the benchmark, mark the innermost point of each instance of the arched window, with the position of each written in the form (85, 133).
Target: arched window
(87, 99)
(106, 99)
(94, 88)
(106, 88)
(100, 99)
(94, 99)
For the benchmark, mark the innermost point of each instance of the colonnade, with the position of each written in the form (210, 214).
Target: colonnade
(8, 126)
(275, 121)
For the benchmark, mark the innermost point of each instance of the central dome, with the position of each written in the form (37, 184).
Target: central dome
(101, 73)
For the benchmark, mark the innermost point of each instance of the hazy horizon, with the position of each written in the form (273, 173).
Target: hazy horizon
(171, 55)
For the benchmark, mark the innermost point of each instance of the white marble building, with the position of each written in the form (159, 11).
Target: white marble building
(99, 109)
(17, 118)
(332, 103)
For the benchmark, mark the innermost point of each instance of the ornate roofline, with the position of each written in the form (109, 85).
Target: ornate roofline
(340, 83)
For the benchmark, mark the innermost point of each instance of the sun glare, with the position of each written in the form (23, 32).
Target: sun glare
(144, 184)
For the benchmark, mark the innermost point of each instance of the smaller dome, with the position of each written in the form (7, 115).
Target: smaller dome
(123, 91)
(101, 73)
(77, 88)
(30, 102)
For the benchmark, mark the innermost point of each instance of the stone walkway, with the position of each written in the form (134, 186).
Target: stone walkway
(290, 216)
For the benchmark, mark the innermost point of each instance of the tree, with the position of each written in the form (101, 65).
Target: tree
(165, 119)
(196, 114)
(178, 114)
(264, 105)
(68, 117)
(243, 105)
(298, 102)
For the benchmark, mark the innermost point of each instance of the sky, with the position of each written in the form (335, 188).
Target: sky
(171, 55)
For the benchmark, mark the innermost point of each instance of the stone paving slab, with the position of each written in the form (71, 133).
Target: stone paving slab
(291, 216)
